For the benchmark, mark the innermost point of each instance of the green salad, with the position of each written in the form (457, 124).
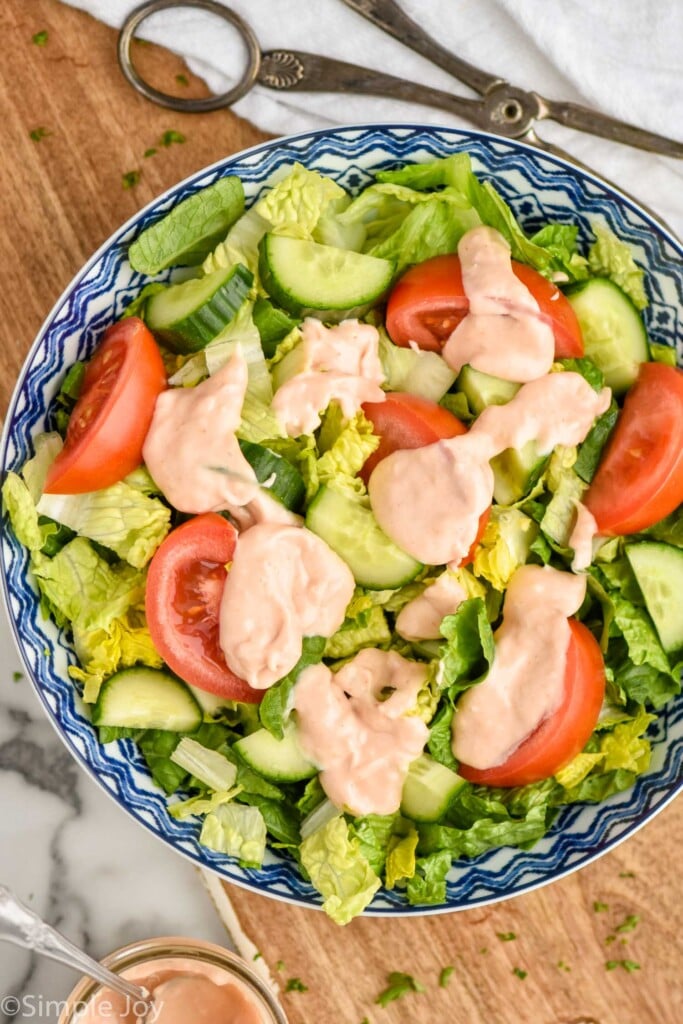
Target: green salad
(136, 576)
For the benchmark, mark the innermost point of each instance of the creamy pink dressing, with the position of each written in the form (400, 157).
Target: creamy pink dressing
(284, 583)
(504, 333)
(421, 618)
(584, 532)
(363, 745)
(525, 683)
(340, 363)
(429, 500)
(193, 454)
(184, 990)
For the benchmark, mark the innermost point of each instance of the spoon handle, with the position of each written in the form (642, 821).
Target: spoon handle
(23, 927)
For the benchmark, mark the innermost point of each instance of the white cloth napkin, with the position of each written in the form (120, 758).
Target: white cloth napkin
(625, 59)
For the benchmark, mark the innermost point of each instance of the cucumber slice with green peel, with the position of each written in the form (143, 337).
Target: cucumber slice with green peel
(310, 279)
(352, 531)
(428, 789)
(281, 478)
(273, 324)
(276, 760)
(614, 334)
(147, 698)
(515, 471)
(191, 230)
(658, 568)
(481, 389)
(187, 316)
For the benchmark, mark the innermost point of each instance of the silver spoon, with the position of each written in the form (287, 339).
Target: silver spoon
(23, 927)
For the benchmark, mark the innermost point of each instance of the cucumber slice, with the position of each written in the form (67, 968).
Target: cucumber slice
(310, 279)
(428, 789)
(614, 334)
(273, 324)
(658, 569)
(147, 698)
(352, 531)
(284, 481)
(421, 373)
(481, 389)
(276, 760)
(189, 315)
(191, 230)
(515, 471)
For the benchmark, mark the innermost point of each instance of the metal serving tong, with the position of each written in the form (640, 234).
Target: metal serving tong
(503, 108)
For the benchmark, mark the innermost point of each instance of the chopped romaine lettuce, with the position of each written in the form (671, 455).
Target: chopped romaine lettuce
(237, 830)
(338, 870)
(612, 258)
(505, 546)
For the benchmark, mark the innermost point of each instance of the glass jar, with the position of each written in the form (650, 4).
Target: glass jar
(149, 952)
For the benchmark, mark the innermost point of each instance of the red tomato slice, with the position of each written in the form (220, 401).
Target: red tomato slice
(562, 735)
(640, 477)
(429, 301)
(408, 421)
(110, 420)
(182, 603)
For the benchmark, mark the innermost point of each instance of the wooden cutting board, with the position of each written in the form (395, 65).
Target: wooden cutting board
(62, 195)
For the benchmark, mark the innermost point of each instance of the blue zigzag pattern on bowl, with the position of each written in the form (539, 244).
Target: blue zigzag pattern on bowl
(539, 187)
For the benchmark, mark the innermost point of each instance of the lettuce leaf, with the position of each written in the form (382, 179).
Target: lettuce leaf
(429, 229)
(237, 830)
(374, 833)
(612, 258)
(275, 708)
(346, 445)
(505, 546)
(126, 641)
(428, 884)
(339, 871)
(119, 517)
(368, 629)
(400, 862)
(469, 652)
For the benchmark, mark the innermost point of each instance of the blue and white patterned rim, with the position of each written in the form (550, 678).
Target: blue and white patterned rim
(539, 187)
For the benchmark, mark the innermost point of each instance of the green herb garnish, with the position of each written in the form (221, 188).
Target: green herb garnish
(445, 976)
(257, 956)
(506, 936)
(36, 134)
(171, 136)
(628, 924)
(598, 907)
(400, 984)
(41, 38)
(149, 152)
(17, 677)
(562, 966)
(628, 965)
(182, 79)
(519, 972)
(279, 966)
(295, 985)
(627, 874)
(130, 179)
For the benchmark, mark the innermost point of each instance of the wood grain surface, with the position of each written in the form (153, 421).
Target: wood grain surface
(61, 197)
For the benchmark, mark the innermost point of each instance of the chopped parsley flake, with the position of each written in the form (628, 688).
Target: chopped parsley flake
(484, 950)
(182, 79)
(519, 972)
(17, 677)
(171, 136)
(149, 152)
(400, 984)
(140, 42)
(628, 965)
(130, 179)
(279, 966)
(627, 874)
(257, 956)
(610, 939)
(295, 985)
(36, 134)
(41, 38)
(628, 924)
(445, 976)
(506, 936)
(562, 966)
(599, 907)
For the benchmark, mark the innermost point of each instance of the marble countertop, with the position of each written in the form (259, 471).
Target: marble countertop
(72, 855)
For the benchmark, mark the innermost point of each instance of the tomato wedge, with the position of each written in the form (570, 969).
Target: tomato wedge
(640, 477)
(409, 421)
(110, 420)
(564, 733)
(429, 301)
(182, 603)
